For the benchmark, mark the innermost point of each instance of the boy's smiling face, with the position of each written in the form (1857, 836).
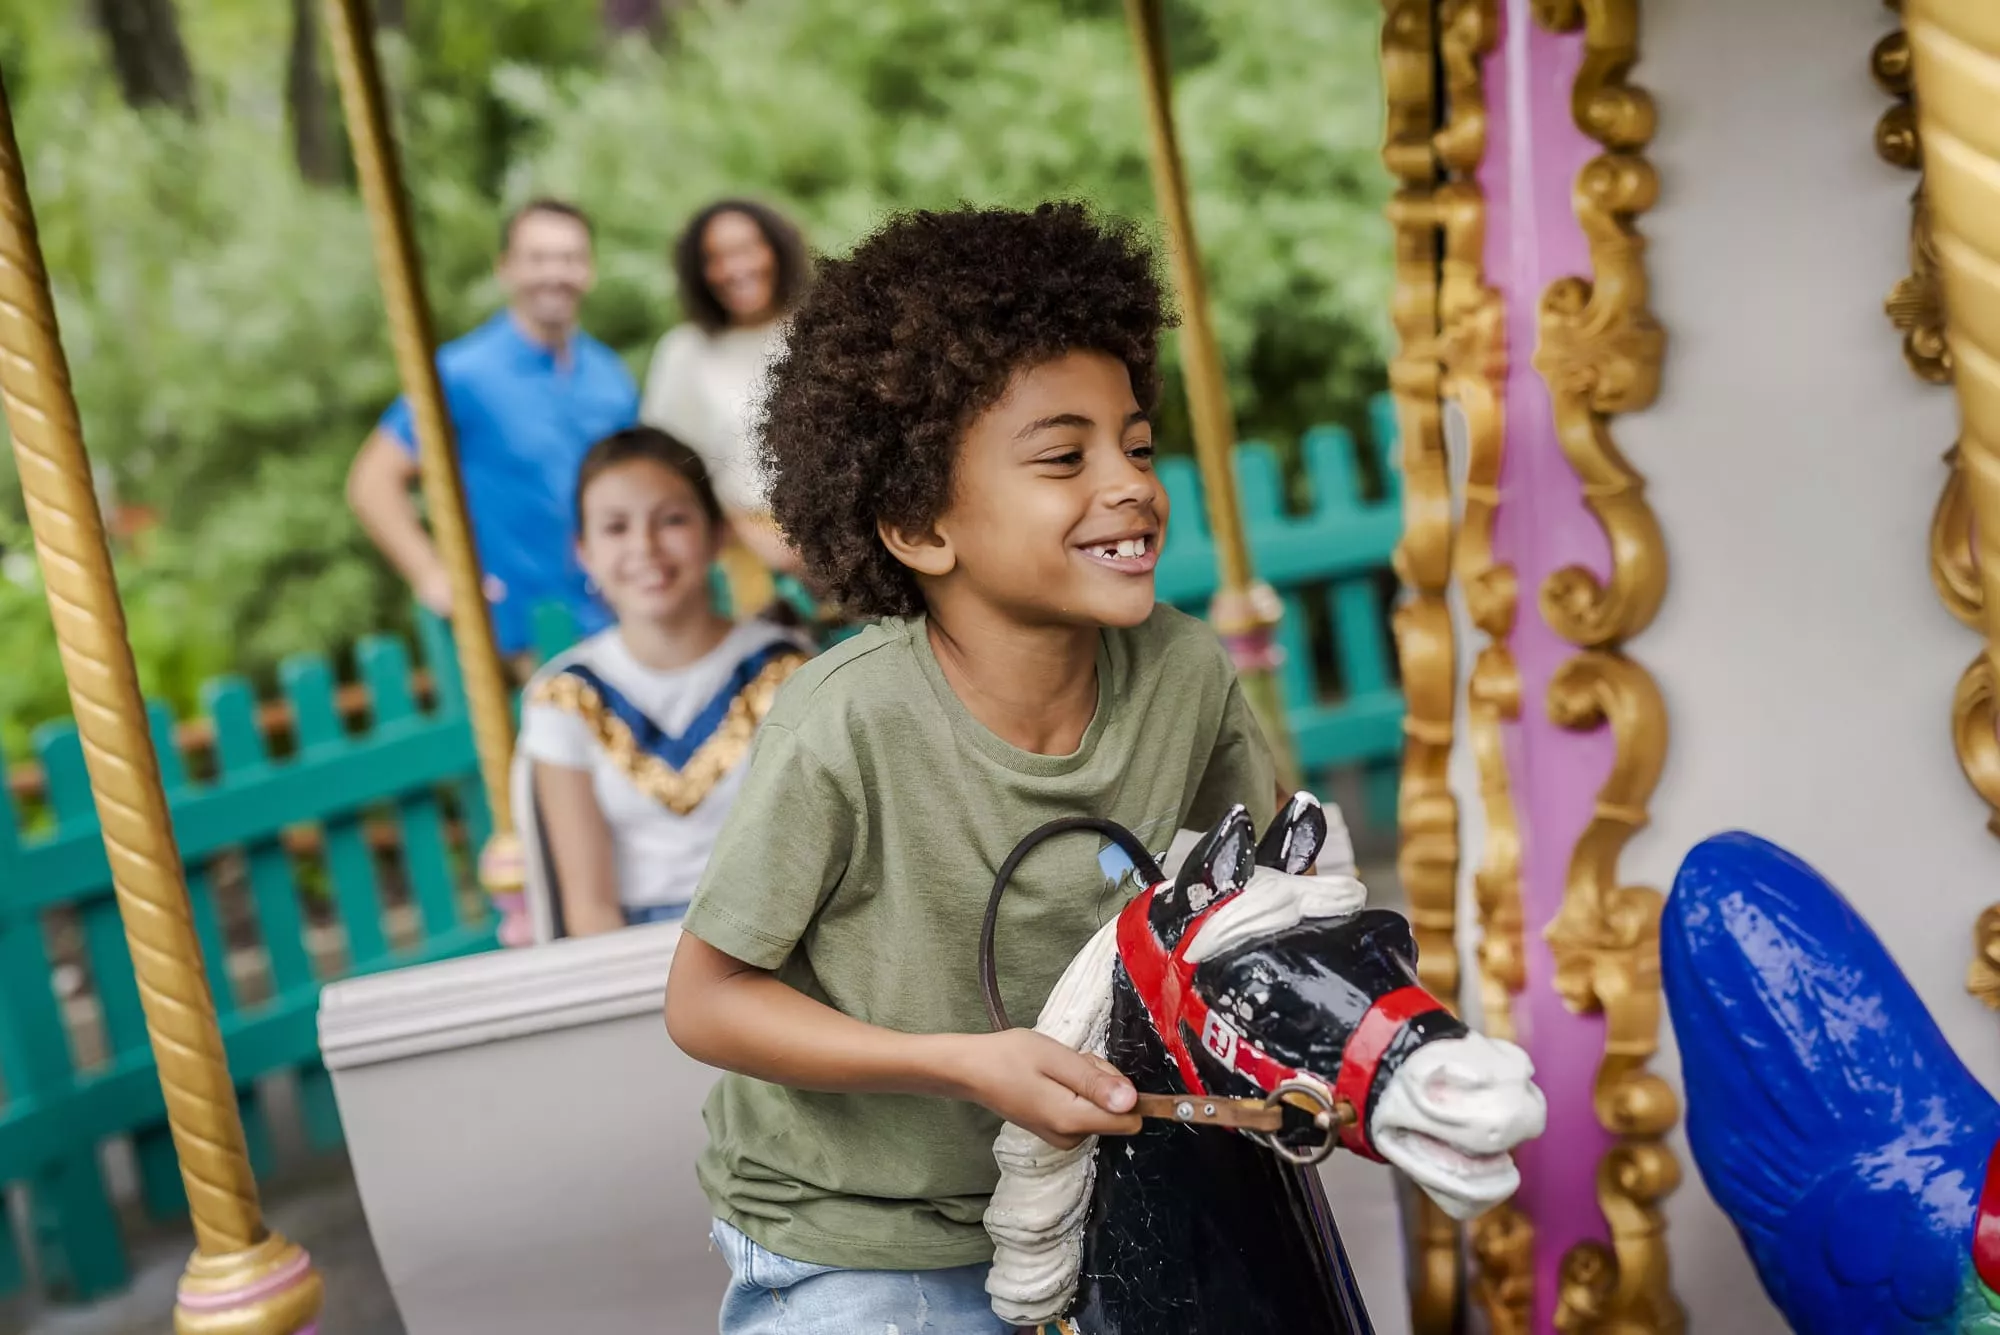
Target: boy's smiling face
(1056, 516)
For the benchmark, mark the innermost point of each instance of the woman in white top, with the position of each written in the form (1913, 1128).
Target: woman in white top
(742, 268)
(633, 742)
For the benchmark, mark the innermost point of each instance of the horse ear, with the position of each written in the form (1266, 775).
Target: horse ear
(1293, 842)
(1219, 866)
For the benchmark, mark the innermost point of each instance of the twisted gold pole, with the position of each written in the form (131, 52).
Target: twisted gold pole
(486, 691)
(1245, 612)
(242, 1278)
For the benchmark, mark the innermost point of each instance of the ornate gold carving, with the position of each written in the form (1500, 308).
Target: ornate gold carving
(1503, 1245)
(1583, 1287)
(1916, 303)
(1600, 352)
(1474, 356)
(1606, 944)
(1428, 857)
(1949, 72)
(236, 1253)
(1982, 979)
(1434, 1279)
(1600, 347)
(1427, 853)
(1975, 728)
(1974, 734)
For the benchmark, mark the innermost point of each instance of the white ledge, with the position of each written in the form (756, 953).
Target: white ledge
(496, 996)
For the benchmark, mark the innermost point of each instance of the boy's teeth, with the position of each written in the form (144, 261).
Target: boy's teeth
(1126, 550)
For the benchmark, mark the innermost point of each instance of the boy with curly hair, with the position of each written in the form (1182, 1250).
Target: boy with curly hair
(959, 447)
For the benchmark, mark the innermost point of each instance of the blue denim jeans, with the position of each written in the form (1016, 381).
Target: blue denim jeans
(775, 1295)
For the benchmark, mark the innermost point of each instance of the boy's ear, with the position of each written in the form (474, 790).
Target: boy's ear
(926, 551)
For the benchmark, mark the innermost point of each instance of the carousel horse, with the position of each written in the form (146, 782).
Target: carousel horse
(1265, 1016)
(1829, 1116)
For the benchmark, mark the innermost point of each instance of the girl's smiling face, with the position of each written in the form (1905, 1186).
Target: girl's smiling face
(1056, 515)
(740, 266)
(647, 542)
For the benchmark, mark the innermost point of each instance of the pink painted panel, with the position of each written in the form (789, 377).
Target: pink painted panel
(1534, 152)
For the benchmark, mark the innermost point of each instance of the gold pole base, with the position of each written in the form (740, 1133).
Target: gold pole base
(270, 1289)
(1245, 612)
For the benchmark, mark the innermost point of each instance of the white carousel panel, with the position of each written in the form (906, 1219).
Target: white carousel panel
(523, 1133)
(1794, 462)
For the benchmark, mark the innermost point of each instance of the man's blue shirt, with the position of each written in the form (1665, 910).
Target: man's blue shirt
(523, 421)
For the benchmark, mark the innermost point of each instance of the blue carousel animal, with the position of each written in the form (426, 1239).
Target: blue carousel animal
(1827, 1114)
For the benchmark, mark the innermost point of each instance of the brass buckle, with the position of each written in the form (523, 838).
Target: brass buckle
(1330, 1113)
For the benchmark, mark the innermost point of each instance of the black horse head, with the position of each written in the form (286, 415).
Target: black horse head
(1241, 975)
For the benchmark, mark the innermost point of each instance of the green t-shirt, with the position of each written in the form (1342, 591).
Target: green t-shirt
(856, 864)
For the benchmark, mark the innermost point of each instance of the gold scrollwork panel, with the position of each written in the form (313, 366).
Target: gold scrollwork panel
(1413, 33)
(1600, 346)
(1428, 815)
(1606, 944)
(1473, 353)
(1600, 352)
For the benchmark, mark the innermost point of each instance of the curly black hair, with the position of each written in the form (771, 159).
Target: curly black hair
(901, 345)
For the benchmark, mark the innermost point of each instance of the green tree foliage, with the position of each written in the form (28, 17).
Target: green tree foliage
(225, 333)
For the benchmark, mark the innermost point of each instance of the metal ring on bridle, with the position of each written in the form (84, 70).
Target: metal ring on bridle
(1330, 1115)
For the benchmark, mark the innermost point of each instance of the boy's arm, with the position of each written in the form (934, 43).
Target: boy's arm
(730, 1014)
(784, 850)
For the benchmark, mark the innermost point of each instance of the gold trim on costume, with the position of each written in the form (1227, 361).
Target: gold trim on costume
(1600, 353)
(678, 790)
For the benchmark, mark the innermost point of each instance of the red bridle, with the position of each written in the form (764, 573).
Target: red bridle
(1165, 982)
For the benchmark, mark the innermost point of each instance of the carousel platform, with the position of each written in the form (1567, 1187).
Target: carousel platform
(317, 1205)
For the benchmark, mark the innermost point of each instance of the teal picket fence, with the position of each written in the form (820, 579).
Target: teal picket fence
(317, 846)
(330, 833)
(1328, 561)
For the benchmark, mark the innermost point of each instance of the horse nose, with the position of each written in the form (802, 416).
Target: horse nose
(1518, 1064)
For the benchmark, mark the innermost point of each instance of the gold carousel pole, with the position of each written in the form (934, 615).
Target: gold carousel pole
(243, 1278)
(1245, 611)
(486, 689)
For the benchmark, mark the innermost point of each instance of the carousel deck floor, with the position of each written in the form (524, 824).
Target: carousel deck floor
(316, 1206)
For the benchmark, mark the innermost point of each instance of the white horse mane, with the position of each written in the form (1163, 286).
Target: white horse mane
(1037, 1215)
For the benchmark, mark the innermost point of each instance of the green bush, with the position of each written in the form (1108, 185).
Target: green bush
(226, 337)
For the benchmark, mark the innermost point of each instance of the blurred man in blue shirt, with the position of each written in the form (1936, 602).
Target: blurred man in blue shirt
(527, 392)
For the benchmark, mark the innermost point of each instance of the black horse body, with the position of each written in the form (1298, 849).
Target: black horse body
(1203, 1231)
